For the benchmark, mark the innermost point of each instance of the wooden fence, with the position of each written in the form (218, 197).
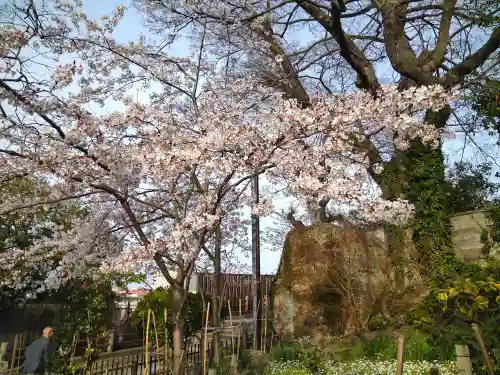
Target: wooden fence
(14, 349)
(132, 361)
(133, 364)
(234, 287)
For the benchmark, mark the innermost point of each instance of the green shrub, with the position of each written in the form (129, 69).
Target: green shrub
(417, 345)
(376, 323)
(350, 353)
(454, 304)
(308, 356)
(283, 353)
(245, 359)
(160, 299)
(382, 347)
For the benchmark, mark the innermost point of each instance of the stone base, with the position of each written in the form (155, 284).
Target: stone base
(4, 365)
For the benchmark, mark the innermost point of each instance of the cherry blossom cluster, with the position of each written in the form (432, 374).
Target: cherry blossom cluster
(160, 174)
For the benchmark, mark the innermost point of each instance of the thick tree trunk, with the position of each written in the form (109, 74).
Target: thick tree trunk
(426, 190)
(419, 176)
(215, 297)
(393, 183)
(365, 280)
(178, 332)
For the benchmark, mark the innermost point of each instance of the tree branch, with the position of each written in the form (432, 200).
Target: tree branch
(399, 51)
(367, 78)
(473, 61)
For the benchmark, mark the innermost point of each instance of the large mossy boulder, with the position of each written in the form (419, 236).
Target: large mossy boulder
(329, 281)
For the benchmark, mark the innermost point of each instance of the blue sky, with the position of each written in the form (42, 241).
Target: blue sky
(131, 28)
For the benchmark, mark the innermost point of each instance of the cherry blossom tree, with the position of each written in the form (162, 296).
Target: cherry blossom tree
(304, 46)
(159, 176)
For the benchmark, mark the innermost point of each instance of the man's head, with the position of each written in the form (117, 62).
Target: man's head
(48, 332)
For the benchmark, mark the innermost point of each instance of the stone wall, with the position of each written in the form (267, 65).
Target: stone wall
(466, 235)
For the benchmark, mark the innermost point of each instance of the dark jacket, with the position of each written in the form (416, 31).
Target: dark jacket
(37, 356)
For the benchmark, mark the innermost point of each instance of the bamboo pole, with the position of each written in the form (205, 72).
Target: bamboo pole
(203, 332)
(239, 335)
(256, 339)
(146, 348)
(156, 332)
(239, 343)
(232, 329)
(205, 342)
(165, 319)
(13, 360)
(484, 350)
(265, 323)
(73, 348)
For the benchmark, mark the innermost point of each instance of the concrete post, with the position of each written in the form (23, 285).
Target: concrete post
(463, 360)
(111, 341)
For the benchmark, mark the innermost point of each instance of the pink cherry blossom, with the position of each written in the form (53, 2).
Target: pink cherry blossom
(159, 175)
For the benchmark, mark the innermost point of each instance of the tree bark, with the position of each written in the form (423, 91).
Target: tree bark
(256, 289)
(216, 281)
(393, 184)
(178, 330)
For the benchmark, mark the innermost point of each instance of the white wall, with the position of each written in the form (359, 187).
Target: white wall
(161, 282)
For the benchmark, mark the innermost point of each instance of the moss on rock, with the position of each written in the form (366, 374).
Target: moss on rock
(326, 280)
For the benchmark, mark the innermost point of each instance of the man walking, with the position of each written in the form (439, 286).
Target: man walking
(39, 354)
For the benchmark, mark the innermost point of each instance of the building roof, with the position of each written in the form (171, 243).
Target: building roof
(133, 292)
